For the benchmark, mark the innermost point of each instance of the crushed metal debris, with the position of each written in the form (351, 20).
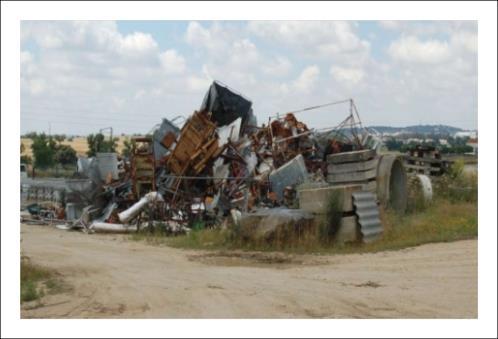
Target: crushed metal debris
(215, 167)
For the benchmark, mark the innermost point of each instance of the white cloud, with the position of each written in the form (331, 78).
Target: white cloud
(198, 35)
(139, 94)
(90, 69)
(84, 69)
(465, 40)
(137, 43)
(27, 63)
(316, 39)
(172, 62)
(428, 28)
(198, 84)
(390, 24)
(229, 54)
(278, 67)
(100, 36)
(26, 57)
(411, 49)
(35, 86)
(243, 52)
(214, 39)
(307, 79)
(347, 76)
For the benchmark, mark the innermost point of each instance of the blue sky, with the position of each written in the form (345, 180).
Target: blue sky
(82, 76)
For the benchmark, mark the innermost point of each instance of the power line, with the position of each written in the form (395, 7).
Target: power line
(87, 112)
(85, 118)
(316, 107)
(72, 121)
(80, 123)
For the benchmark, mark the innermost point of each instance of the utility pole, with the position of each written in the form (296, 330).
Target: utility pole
(103, 129)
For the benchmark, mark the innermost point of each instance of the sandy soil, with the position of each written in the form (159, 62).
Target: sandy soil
(113, 277)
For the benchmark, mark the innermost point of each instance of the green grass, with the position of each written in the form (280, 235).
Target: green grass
(36, 281)
(155, 236)
(29, 292)
(441, 221)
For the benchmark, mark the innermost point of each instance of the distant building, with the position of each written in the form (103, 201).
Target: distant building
(414, 141)
(473, 143)
(443, 142)
(466, 134)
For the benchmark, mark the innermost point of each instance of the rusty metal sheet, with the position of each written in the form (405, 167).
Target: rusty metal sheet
(143, 166)
(196, 133)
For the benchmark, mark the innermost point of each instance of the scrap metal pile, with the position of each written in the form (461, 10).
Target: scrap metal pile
(219, 164)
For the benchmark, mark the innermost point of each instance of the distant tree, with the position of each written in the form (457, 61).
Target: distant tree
(460, 149)
(404, 148)
(26, 159)
(97, 144)
(30, 135)
(128, 144)
(59, 138)
(65, 155)
(456, 149)
(393, 144)
(43, 148)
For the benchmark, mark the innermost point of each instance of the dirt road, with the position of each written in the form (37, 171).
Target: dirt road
(114, 277)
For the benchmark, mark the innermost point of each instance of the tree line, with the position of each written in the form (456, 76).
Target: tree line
(49, 150)
(453, 146)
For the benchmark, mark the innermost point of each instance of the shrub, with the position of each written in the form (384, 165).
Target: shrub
(30, 276)
(97, 143)
(29, 291)
(43, 147)
(65, 155)
(416, 200)
(457, 185)
(455, 171)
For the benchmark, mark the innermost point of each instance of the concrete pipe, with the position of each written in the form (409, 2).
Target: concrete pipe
(392, 182)
(135, 209)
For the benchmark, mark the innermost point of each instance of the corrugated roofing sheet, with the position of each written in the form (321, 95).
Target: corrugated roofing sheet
(365, 204)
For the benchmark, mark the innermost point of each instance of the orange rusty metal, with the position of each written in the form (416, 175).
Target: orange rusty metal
(197, 141)
(168, 139)
(143, 167)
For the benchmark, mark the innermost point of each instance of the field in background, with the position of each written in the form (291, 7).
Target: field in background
(79, 144)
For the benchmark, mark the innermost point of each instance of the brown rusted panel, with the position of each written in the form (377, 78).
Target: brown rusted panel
(168, 139)
(195, 144)
(143, 166)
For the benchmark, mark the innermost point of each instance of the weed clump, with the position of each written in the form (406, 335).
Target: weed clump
(456, 185)
(332, 220)
(29, 292)
(36, 281)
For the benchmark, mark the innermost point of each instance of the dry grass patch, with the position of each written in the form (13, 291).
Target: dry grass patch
(37, 281)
